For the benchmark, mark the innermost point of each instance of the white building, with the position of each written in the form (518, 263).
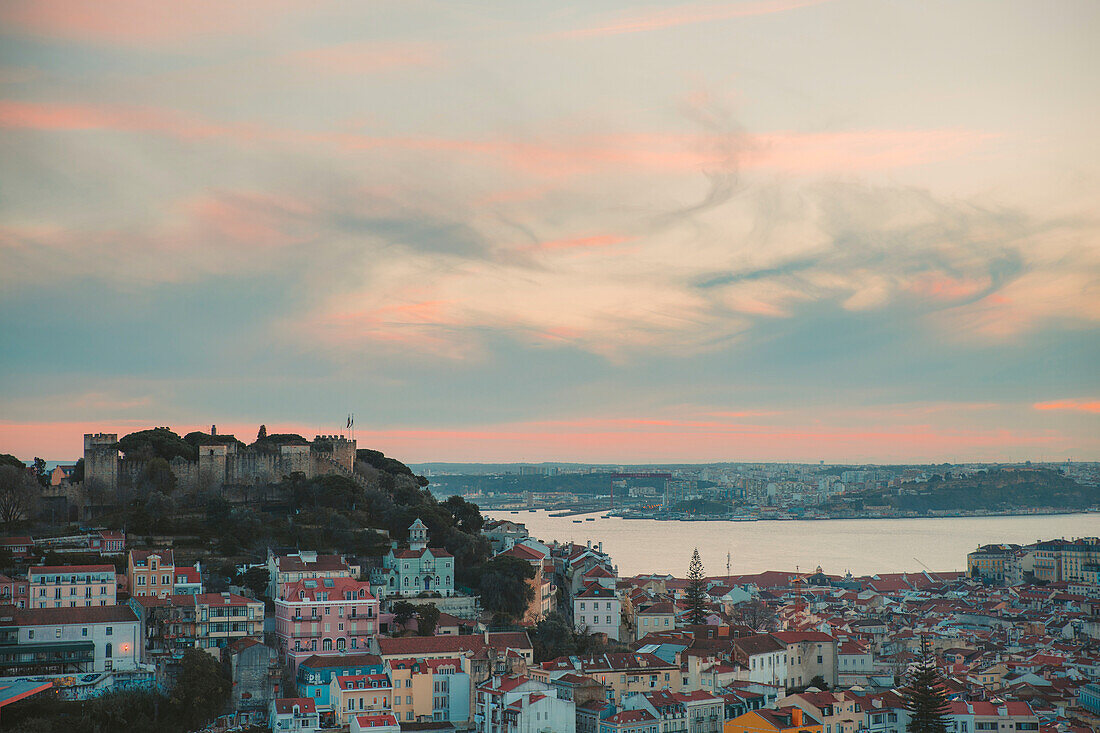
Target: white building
(765, 656)
(517, 704)
(598, 610)
(69, 641)
(293, 715)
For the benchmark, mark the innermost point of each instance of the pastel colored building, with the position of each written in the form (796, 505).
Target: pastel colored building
(188, 581)
(293, 715)
(780, 720)
(375, 724)
(598, 610)
(326, 616)
(151, 573)
(359, 694)
(418, 569)
(14, 592)
(305, 565)
(65, 641)
(430, 689)
(71, 586)
(315, 673)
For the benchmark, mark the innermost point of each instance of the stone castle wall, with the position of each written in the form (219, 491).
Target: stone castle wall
(220, 465)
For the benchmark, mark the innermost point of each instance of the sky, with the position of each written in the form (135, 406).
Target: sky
(625, 232)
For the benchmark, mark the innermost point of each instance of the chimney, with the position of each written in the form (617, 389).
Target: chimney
(213, 429)
(589, 544)
(796, 717)
(600, 546)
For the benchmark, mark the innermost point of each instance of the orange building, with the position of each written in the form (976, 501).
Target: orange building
(781, 720)
(151, 573)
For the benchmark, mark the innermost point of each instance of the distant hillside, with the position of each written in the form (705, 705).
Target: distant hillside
(999, 489)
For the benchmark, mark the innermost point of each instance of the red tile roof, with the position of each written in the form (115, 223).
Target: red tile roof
(57, 616)
(412, 646)
(285, 705)
(63, 569)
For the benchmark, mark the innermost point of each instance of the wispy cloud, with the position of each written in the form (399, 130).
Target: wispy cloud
(686, 14)
(1092, 406)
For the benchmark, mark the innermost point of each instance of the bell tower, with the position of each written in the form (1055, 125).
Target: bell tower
(418, 536)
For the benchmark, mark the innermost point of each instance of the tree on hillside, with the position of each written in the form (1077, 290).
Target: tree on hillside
(464, 514)
(7, 459)
(925, 698)
(262, 434)
(403, 611)
(156, 442)
(256, 580)
(553, 637)
(40, 472)
(696, 590)
(18, 494)
(201, 690)
(504, 589)
(427, 616)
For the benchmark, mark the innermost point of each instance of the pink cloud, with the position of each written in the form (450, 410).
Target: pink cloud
(137, 22)
(937, 286)
(596, 439)
(1092, 406)
(834, 152)
(367, 58)
(687, 15)
(76, 117)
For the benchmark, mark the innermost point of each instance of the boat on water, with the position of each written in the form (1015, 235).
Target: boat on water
(576, 521)
(590, 519)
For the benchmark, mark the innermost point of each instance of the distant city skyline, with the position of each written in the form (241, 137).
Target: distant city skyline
(651, 232)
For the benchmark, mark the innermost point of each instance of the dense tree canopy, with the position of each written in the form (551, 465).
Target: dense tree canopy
(504, 589)
(156, 443)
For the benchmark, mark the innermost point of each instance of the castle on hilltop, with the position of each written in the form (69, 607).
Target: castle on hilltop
(222, 464)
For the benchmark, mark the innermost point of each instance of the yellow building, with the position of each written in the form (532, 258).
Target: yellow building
(781, 720)
(412, 688)
(359, 694)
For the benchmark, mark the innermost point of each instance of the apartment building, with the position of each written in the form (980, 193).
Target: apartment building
(68, 641)
(598, 610)
(71, 586)
(326, 616)
(305, 565)
(151, 573)
(809, 654)
(352, 695)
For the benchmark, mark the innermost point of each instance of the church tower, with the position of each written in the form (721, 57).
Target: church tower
(418, 536)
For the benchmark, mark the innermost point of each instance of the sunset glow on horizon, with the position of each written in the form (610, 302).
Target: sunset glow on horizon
(645, 232)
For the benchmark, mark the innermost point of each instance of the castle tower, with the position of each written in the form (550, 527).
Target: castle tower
(212, 460)
(418, 536)
(101, 459)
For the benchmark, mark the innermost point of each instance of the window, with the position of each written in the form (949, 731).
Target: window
(84, 631)
(107, 651)
(109, 630)
(57, 633)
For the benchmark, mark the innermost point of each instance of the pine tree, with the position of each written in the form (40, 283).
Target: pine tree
(925, 698)
(262, 434)
(696, 590)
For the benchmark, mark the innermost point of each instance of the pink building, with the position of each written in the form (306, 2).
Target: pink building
(14, 592)
(325, 616)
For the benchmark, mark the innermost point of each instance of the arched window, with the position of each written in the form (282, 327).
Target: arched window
(326, 645)
(107, 651)
(341, 644)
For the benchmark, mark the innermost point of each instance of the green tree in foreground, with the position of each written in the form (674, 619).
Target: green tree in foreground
(696, 590)
(504, 589)
(925, 698)
(427, 616)
(202, 689)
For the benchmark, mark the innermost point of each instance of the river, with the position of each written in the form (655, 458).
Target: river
(863, 546)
